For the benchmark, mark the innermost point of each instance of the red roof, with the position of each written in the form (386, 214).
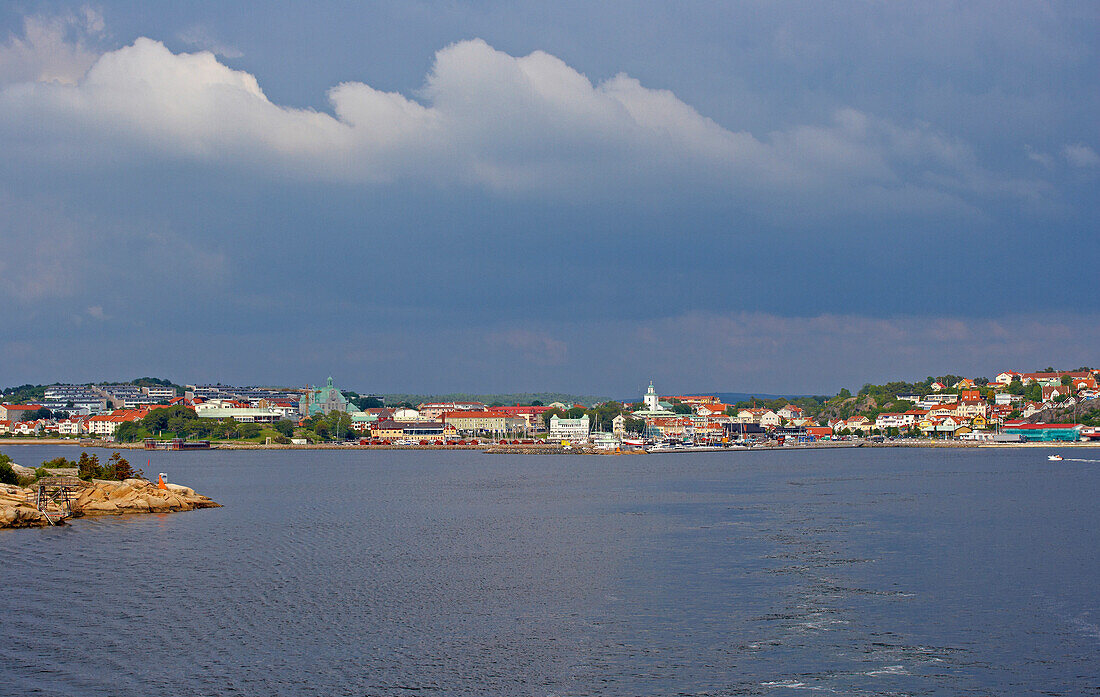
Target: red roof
(474, 414)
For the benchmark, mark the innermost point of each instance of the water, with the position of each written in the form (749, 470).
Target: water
(854, 572)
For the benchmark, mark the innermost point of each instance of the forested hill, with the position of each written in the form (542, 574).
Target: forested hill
(500, 399)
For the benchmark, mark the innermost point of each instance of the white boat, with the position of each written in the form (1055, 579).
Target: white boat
(1056, 458)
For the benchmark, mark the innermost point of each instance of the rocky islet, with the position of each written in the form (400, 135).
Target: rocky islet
(101, 497)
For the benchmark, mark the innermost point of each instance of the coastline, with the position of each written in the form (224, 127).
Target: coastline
(97, 497)
(529, 449)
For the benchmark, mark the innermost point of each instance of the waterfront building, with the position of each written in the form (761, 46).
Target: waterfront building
(388, 429)
(602, 440)
(531, 415)
(218, 409)
(421, 430)
(487, 423)
(1045, 432)
(569, 429)
(105, 425)
(17, 412)
(618, 426)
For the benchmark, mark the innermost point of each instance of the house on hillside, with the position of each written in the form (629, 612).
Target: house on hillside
(790, 411)
(1059, 390)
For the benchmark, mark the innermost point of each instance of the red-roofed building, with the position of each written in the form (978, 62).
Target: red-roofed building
(712, 409)
(1053, 378)
(532, 416)
(1059, 390)
(17, 412)
(105, 425)
(489, 422)
(431, 411)
(790, 411)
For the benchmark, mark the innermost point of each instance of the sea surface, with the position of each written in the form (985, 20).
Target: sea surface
(849, 572)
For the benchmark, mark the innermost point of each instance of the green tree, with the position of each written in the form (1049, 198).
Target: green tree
(130, 431)
(231, 427)
(118, 468)
(7, 472)
(679, 408)
(89, 467)
(1033, 392)
(250, 430)
(284, 427)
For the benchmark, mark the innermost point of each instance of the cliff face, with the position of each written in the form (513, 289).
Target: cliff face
(101, 497)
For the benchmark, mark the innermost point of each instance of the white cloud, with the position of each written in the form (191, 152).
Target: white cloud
(485, 118)
(52, 49)
(1038, 156)
(1081, 155)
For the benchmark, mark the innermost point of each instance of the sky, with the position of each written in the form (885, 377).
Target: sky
(781, 197)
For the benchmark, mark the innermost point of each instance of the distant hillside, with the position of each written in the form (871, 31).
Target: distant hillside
(735, 397)
(509, 398)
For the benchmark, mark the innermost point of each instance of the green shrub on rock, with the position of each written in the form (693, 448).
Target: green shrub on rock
(7, 473)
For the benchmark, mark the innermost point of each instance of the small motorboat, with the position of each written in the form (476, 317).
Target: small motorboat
(1055, 458)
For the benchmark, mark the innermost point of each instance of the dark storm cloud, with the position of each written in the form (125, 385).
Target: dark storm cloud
(555, 193)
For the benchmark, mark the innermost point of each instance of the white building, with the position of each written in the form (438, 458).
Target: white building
(160, 393)
(575, 430)
(405, 414)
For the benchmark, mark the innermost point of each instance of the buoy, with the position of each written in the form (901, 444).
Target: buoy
(162, 481)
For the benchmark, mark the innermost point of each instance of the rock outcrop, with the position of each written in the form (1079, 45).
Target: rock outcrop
(101, 497)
